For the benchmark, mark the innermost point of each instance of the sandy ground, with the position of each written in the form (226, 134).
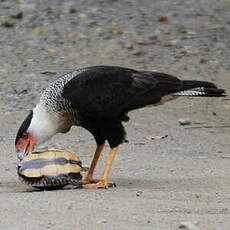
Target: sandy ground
(160, 184)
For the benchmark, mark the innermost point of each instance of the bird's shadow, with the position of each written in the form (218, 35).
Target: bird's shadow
(17, 187)
(131, 183)
(121, 183)
(163, 184)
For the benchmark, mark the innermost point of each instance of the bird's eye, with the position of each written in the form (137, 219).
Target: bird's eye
(25, 135)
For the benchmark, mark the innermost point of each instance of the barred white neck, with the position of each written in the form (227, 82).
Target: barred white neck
(45, 124)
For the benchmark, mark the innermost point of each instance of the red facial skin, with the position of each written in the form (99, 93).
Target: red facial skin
(25, 143)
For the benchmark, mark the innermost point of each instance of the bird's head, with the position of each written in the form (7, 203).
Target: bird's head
(38, 127)
(25, 140)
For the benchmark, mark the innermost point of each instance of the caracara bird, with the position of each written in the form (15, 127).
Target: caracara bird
(99, 98)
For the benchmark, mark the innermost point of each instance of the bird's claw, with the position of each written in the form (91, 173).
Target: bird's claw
(106, 185)
(100, 185)
(89, 180)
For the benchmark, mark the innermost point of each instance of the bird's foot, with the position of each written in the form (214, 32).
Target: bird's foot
(89, 180)
(99, 184)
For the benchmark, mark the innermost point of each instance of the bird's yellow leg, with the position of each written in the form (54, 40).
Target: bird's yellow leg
(89, 176)
(104, 181)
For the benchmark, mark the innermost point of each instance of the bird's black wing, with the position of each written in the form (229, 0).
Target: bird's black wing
(109, 91)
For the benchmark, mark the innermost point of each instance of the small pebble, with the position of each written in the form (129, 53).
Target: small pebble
(190, 225)
(82, 16)
(185, 121)
(72, 10)
(174, 42)
(152, 37)
(82, 36)
(191, 33)
(18, 15)
(157, 33)
(102, 221)
(137, 53)
(91, 23)
(139, 193)
(7, 24)
(203, 60)
(190, 50)
(70, 207)
(128, 45)
(181, 29)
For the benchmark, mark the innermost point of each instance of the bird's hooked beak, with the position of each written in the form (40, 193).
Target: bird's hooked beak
(24, 146)
(21, 155)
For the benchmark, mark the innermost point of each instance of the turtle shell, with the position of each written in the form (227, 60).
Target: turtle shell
(51, 169)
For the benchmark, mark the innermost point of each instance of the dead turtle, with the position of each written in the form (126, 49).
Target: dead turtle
(50, 169)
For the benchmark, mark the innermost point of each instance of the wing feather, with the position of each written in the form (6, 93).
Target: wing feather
(109, 91)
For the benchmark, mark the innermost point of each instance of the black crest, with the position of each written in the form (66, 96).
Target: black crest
(24, 126)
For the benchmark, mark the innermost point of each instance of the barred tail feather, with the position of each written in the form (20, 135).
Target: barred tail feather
(200, 89)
